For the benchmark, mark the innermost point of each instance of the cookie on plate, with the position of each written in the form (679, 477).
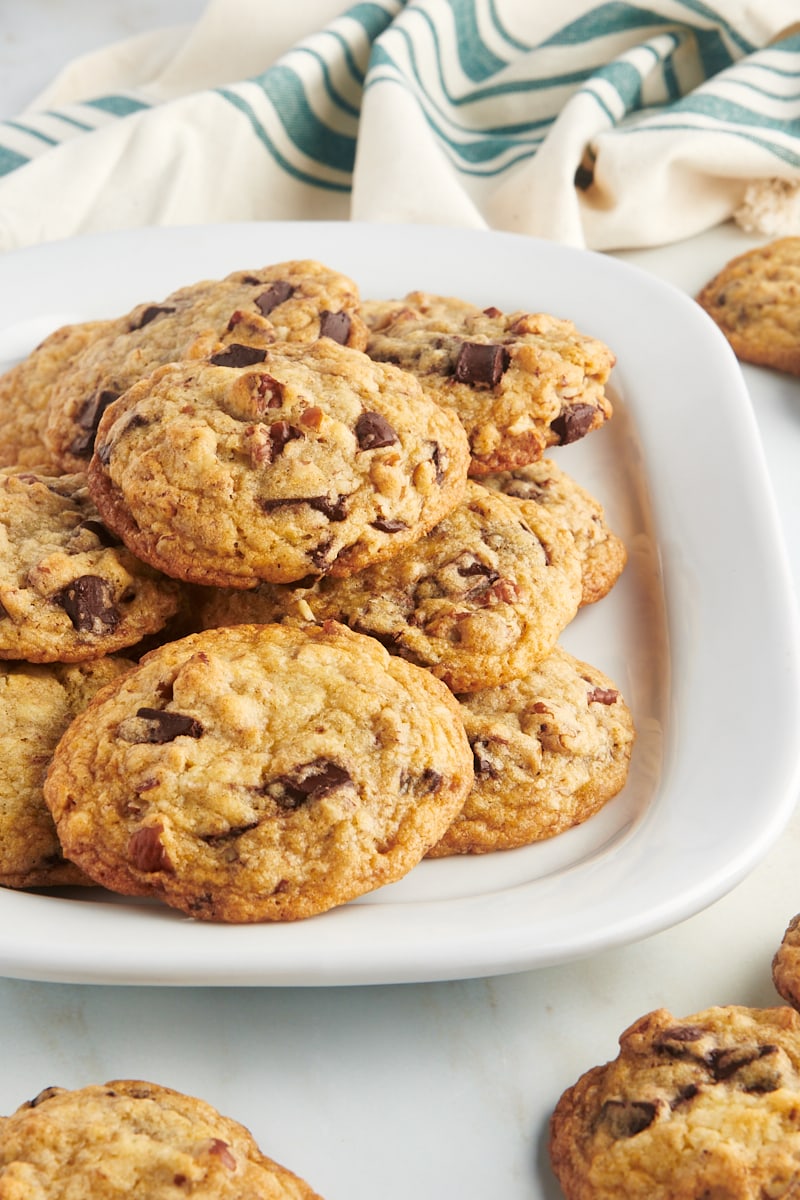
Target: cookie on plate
(314, 461)
(755, 301)
(519, 381)
(37, 703)
(129, 1138)
(602, 553)
(69, 591)
(478, 600)
(297, 301)
(707, 1106)
(549, 750)
(786, 964)
(260, 773)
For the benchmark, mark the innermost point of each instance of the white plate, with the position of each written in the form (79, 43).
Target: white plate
(699, 633)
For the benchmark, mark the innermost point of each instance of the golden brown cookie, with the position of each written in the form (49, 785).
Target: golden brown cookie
(314, 461)
(297, 301)
(69, 590)
(704, 1107)
(519, 382)
(601, 552)
(478, 600)
(549, 750)
(260, 772)
(37, 703)
(755, 301)
(129, 1138)
(786, 964)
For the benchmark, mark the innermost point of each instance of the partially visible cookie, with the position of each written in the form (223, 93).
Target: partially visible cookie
(315, 461)
(37, 703)
(130, 1138)
(755, 301)
(549, 750)
(296, 301)
(520, 382)
(479, 600)
(260, 773)
(601, 552)
(705, 1106)
(69, 591)
(786, 964)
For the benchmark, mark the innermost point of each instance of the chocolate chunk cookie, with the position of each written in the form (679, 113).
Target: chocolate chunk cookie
(755, 301)
(260, 773)
(69, 591)
(519, 382)
(236, 317)
(549, 750)
(314, 461)
(37, 703)
(786, 964)
(707, 1106)
(129, 1138)
(601, 552)
(479, 600)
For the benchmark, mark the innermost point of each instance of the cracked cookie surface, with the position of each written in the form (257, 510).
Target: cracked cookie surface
(314, 461)
(260, 773)
(704, 1106)
(519, 382)
(131, 1138)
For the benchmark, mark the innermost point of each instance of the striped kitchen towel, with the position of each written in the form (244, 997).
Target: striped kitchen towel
(608, 125)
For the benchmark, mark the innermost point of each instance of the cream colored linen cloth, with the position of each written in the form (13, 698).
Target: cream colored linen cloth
(612, 125)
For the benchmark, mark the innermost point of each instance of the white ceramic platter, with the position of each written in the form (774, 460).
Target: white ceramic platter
(699, 633)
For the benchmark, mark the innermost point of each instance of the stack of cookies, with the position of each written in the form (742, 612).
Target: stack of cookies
(284, 577)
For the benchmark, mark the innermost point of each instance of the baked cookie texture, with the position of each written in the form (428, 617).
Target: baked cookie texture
(519, 382)
(601, 552)
(549, 750)
(706, 1106)
(297, 301)
(786, 964)
(259, 773)
(37, 703)
(69, 590)
(315, 461)
(479, 600)
(755, 301)
(132, 1138)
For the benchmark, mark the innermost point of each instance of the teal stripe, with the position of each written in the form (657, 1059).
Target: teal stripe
(783, 152)
(117, 106)
(333, 94)
(501, 29)
(31, 132)
(69, 120)
(10, 160)
(744, 45)
(714, 107)
(475, 58)
(311, 136)
(281, 160)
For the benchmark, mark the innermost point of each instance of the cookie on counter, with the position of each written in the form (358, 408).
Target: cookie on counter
(786, 964)
(549, 750)
(235, 317)
(260, 773)
(37, 703)
(479, 600)
(755, 301)
(69, 590)
(519, 382)
(129, 1138)
(314, 461)
(705, 1106)
(602, 553)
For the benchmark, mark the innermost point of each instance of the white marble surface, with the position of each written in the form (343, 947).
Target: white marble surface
(428, 1090)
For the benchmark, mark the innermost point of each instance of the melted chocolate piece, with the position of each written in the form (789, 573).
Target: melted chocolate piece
(481, 365)
(3, 612)
(483, 765)
(88, 419)
(334, 510)
(573, 423)
(306, 783)
(389, 525)
(160, 726)
(626, 1118)
(281, 432)
(237, 355)
(374, 431)
(335, 325)
(150, 313)
(275, 294)
(89, 604)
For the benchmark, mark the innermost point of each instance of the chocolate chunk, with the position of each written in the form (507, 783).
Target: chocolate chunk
(686, 1094)
(88, 418)
(237, 355)
(160, 725)
(436, 459)
(481, 365)
(280, 433)
(146, 851)
(307, 782)
(680, 1033)
(388, 525)
(374, 431)
(3, 612)
(600, 695)
(335, 325)
(334, 510)
(104, 536)
(88, 602)
(725, 1062)
(573, 423)
(526, 489)
(626, 1118)
(275, 294)
(420, 785)
(150, 313)
(230, 835)
(484, 767)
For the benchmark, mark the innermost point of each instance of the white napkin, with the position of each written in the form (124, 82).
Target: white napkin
(608, 125)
